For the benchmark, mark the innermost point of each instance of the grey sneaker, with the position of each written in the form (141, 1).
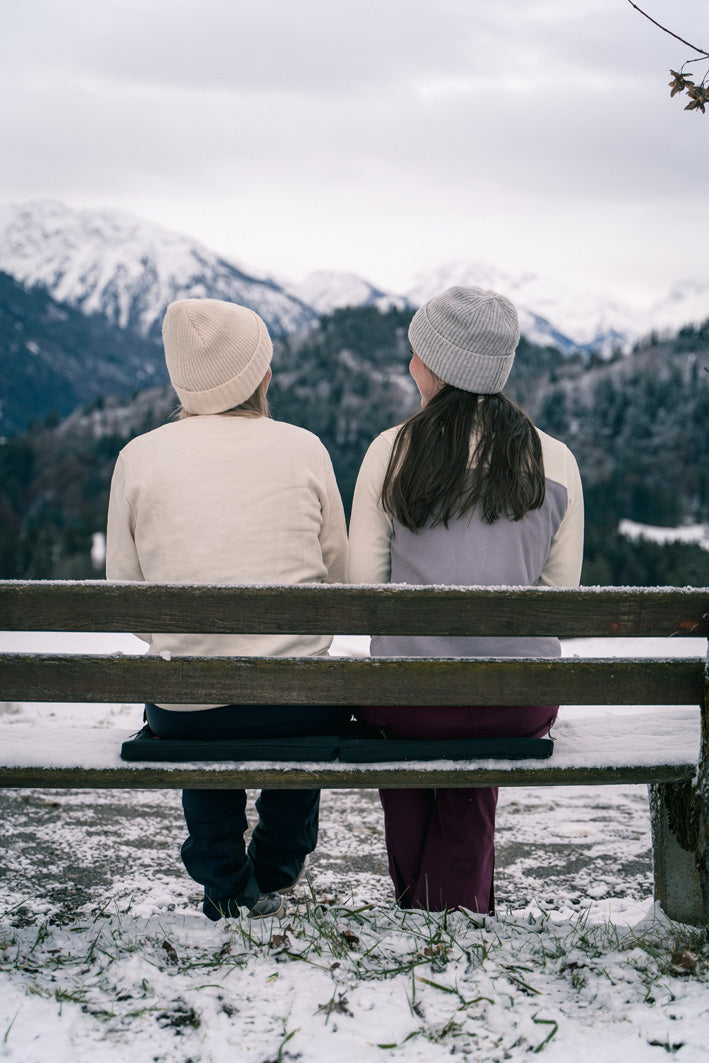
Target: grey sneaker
(268, 906)
(297, 880)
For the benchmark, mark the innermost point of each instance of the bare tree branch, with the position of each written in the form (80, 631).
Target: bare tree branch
(664, 29)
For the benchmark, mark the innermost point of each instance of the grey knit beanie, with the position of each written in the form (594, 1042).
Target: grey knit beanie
(217, 353)
(467, 337)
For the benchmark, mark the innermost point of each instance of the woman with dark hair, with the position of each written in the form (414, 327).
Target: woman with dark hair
(225, 494)
(466, 492)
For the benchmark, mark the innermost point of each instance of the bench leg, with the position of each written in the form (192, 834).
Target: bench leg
(679, 815)
(680, 886)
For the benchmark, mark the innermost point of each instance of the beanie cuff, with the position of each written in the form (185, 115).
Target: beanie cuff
(481, 374)
(231, 393)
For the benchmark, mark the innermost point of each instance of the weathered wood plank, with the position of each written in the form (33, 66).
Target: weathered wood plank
(324, 609)
(336, 777)
(343, 681)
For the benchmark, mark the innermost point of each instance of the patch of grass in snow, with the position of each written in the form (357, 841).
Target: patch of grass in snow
(475, 985)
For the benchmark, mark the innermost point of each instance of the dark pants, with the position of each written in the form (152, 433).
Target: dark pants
(287, 829)
(441, 842)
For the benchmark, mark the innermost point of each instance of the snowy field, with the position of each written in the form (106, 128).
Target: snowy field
(104, 954)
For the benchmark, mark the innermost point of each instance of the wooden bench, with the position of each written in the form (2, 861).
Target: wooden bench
(661, 746)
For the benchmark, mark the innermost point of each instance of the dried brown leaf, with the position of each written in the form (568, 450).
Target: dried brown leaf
(679, 82)
(685, 961)
(171, 951)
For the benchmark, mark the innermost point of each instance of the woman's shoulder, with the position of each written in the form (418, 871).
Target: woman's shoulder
(292, 434)
(559, 461)
(138, 445)
(379, 450)
(551, 443)
(376, 460)
(224, 431)
(389, 434)
(383, 443)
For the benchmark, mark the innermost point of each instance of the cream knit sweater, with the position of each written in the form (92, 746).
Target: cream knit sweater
(224, 499)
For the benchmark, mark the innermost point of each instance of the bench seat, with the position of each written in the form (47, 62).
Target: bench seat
(592, 746)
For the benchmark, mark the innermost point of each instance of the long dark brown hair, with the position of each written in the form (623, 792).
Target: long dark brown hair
(463, 452)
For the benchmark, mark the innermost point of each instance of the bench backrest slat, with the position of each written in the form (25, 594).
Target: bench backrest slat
(345, 681)
(327, 609)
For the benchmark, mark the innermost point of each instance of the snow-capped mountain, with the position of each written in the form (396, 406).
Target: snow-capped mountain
(129, 270)
(550, 311)
(326, 291)
(686, 304)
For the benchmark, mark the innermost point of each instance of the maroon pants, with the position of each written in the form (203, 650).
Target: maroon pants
(441, 842)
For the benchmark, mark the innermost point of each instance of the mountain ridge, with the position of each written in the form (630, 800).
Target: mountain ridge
(113, 263)
(129, 270)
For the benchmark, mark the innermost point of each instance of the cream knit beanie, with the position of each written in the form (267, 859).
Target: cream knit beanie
(467, 337)
(217, 353)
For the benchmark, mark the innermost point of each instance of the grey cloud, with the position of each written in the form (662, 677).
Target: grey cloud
(316, 47)
(307, 46)
(520, 115)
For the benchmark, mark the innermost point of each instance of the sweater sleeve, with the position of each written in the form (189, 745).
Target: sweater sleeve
(333, 531)
(370, 526)
(121, 555)
(563, 564)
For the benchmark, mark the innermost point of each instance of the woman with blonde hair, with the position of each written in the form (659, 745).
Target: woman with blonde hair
(466, 492)
(225, 494)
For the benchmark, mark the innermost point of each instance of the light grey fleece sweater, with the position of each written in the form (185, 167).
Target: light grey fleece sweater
(544, 547)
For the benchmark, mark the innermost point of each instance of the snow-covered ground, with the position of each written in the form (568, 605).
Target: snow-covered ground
(104, 954)
(685, 533)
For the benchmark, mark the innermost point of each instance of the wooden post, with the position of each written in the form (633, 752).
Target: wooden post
(703, 800)
(679, 814)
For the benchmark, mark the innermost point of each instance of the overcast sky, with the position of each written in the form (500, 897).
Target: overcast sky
(379, 136)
